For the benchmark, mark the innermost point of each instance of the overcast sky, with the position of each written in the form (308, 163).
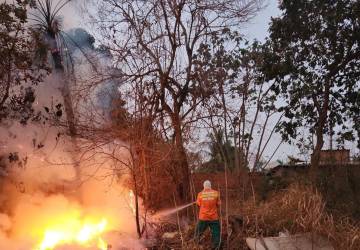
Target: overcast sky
(258, 27)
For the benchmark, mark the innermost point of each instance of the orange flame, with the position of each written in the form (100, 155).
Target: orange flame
(74, 231)
(132, 202)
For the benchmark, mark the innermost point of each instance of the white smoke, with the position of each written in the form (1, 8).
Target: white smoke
(41, 186)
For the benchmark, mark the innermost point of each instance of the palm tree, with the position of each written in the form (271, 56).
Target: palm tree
(48, 25)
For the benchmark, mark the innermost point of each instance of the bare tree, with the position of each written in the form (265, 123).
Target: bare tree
(229, 67)
(156, 41)
(241, 107)
(131, 141)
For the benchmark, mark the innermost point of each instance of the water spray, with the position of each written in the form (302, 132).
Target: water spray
(170, 211)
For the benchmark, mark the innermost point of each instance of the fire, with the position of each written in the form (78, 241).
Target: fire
(76, 232)
(132, 202)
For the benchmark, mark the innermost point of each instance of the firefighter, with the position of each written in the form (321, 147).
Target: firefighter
(208, 200)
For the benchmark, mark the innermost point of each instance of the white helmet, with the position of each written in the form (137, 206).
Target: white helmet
(207, 184)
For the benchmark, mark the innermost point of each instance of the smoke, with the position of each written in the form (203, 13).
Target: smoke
(39, 190)
(38, 186)
(71, 13)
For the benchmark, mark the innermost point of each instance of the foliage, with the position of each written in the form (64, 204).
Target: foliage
(217, 147)
(228, 68)
(313, 56)
(18, 75)
(154, 46)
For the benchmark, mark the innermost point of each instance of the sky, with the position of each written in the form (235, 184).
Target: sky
(258, 27)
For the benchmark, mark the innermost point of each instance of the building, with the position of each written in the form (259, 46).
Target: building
(330, 157)
(288, 170)
(327, 158)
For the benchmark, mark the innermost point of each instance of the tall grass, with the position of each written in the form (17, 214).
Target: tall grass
(300, 209)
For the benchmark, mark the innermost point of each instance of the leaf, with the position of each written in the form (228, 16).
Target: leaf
(58, 106)
(58, 113)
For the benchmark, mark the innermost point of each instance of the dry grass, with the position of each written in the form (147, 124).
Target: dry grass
(299, 209)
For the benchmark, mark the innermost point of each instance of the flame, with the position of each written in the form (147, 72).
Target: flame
(132, 201)
(74, 231)
(102, 244)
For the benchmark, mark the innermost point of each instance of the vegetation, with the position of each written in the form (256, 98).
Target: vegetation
(18, 74)
(161, 39)
(300, 208)
(312, 55)
(178, 73)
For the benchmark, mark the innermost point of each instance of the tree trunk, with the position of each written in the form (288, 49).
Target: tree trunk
(227, 205)
(66, 94)
(8, 83)
(258, 155)
(323, 114)
(65, 88)
(69, 111)
(317, 150)
(145, 175)
(137, 214)
(236, 159)
(183, 187)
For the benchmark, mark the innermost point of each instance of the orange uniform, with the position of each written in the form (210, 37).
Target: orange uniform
(208, 200)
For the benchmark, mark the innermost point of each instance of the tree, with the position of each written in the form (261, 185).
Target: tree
(137, 151)
(18, 74)
(313, 57)
(216, 146)
(240, 105)
(156, 41)
(231, 76)
(48, 25)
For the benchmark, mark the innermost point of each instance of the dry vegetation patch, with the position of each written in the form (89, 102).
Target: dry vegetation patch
(299, 209)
